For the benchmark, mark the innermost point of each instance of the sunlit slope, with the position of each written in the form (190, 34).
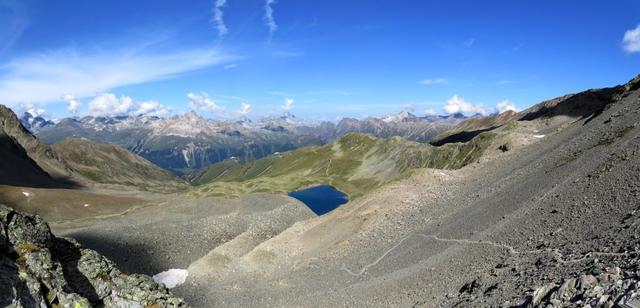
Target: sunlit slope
(354, 164)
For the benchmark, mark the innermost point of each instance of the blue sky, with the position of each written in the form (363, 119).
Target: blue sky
(317, 59)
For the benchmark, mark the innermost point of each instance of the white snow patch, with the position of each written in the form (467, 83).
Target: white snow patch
(171, 278)
(86, 205)
(538, 136)
(185, 154)
(26, 194)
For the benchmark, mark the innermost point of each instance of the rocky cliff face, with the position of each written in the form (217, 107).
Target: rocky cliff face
(38, 269)
(34, 123)
(46, 159)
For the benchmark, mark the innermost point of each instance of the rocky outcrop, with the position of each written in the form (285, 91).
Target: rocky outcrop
(609, 287)
(38, 269)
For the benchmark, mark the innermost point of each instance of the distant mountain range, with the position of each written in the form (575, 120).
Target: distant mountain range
(403, 124)
(26, 161)
(185, 142)
(188, 142)
(35, 123)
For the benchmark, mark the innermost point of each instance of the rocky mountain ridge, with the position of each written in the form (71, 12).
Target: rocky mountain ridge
(35, 123)
(181, 143)
(188, 142)
(72, 163)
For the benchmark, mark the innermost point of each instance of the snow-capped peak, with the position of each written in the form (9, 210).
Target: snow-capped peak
(35, 123)
(398, 117)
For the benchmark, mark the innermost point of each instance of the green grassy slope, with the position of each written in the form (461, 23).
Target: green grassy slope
(109, 164)
(355, 164)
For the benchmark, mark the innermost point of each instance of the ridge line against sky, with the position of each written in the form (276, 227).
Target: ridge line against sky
(231, 59)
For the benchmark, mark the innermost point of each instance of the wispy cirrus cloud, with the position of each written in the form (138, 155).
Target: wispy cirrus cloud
(504, 82)
(218, 18)
(433, 81)
(470, 42)
(14, 20)
(288, 54)
(268, 17)
(47, 76)
(230, 66)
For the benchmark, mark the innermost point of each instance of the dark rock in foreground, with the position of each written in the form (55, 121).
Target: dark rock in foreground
(38, 269)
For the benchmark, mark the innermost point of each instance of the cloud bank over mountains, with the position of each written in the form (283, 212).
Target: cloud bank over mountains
(457, 104)
(108, 104)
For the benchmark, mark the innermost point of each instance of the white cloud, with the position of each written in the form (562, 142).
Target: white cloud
(151, 108)
(408, 107)
(268, 16)
(218, 19)
(72, 103)
(631, 40)
(506, 105)
(457, 104)
(230, 66)
(108, 104)
(504, 82)
(202, 102)
(46, 76)
(288, 104)
(33, 109)
(433, 81)
(245, 108)
(429, 112)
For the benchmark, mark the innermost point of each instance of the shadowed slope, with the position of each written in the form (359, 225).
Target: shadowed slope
(110, 164)
(468, 129)
(17, 168)
(39, 152)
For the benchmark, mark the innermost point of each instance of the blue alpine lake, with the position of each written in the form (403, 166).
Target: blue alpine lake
(320, 199)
